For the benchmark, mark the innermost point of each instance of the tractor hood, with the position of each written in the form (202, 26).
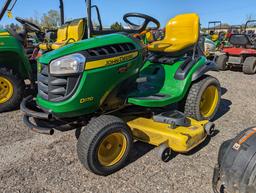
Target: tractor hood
(83, 45)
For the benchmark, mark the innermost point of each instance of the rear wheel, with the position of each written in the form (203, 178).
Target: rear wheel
(104, 145)
(203, 99)
(11, 89)
(249, 66)
(222, 62)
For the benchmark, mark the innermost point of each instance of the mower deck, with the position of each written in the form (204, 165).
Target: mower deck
(178, 138)
(177, 132)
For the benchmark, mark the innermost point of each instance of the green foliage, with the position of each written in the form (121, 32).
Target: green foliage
(49, 20)
(116, 26)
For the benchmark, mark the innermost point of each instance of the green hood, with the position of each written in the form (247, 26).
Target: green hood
(84, 45)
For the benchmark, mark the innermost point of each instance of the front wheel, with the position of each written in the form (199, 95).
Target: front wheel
(203, 99)
(11, 89)
(104, 145)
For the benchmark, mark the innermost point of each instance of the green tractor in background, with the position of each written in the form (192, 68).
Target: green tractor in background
(113, 89)
(216, 34)
(17, 59)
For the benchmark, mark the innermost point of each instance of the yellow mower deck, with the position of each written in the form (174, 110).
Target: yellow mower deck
(180, 139)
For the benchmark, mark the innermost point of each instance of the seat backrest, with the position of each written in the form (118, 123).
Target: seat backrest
(76, 30)
(240, 40)
(183, 29)
(62, 33)
(215, 37)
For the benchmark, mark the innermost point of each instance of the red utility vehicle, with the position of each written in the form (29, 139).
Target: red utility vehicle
(241, 54)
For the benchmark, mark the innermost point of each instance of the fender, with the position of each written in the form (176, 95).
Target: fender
(14, 60)
(209, 66)
(12, 55)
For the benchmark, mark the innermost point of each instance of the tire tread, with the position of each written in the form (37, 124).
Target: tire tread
(248, 66)
(19, 88)
(89, 135)
(191, 102)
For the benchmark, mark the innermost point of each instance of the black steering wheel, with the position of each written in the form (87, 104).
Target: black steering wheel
(147, 20)
(28, 25)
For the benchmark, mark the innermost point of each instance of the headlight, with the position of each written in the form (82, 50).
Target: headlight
(70, 64)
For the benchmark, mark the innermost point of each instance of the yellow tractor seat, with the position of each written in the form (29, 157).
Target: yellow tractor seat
(75, 32)
(215, 37)
(181, 35)
(61, 36)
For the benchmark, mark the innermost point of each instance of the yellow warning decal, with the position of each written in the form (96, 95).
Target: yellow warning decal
(110, 61)
(9, 14)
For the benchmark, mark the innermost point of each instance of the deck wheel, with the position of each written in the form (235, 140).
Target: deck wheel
(165, 153)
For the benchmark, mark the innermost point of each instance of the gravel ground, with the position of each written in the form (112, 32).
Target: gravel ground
(30, 162)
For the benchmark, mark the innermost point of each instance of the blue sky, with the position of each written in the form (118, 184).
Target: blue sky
(228, 11)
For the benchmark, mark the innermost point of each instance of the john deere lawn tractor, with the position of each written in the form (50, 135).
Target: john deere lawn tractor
(113, 89)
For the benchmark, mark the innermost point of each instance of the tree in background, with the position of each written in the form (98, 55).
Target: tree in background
(51, 19)
(116, 26)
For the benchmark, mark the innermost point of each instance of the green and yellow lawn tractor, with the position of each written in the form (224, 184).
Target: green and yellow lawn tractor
(18, 54)
(216, 34)
(113, 89)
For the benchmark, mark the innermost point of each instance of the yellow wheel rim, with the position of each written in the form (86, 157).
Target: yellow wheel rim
(6, 90)
(112, 149)
(209, 101)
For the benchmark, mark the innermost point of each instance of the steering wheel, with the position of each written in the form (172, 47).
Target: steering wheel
(147, 20)
(28, 25)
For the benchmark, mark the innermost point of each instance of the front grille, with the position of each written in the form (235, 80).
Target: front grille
(55, 88)
(111, 49)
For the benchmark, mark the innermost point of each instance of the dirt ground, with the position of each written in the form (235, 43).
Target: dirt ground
(35, 163)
